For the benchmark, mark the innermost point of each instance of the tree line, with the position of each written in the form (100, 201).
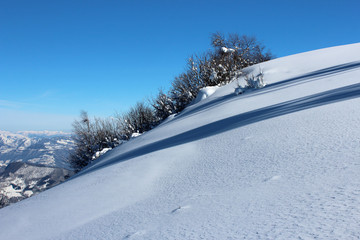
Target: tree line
(217, 66)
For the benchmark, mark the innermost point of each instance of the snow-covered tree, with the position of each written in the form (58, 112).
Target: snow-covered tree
(162, 105)
(92, 136)
(138, 119)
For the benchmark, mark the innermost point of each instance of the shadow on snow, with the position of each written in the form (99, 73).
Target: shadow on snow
(312, 76)
(243, 119)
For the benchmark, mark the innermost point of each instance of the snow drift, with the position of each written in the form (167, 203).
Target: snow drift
(205, 93)
(280, 162)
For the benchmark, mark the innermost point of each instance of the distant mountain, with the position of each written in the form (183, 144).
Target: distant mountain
(45, 149)
(44, 133)
(21, 180)
(31, 162)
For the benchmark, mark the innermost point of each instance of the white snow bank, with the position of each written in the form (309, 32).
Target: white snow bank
(135, 135)
(205, 93)
(227, 50)
(100, 153)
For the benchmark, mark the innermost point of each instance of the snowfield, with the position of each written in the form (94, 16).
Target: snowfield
(281, 162)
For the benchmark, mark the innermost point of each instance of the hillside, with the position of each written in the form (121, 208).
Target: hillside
(31, 162)
(281, 162)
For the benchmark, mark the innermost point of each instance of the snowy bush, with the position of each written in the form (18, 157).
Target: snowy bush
(92, 136)
(140, 118)
(251, 82)
(255, 81)
(216, 67)
(162, 105)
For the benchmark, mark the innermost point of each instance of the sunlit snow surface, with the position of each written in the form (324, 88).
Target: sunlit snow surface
(205, 93)
(281, 162)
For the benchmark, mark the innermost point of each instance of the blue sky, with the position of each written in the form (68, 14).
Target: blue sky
(60, 57)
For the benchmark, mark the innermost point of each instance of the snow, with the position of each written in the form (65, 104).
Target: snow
(62, 141)
(226, 50)
(135, 135)
(11, 191)
(4, 163)
(205, 93)
(12, 140)
(32, 184)
(45, 159)
(100, 153)
(28, 193)
(280, 162)
(40, 149)
(44, 133)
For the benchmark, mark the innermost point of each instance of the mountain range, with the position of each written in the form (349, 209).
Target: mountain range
(31, 162)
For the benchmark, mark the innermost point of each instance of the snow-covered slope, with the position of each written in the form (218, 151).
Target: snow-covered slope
(281, 162)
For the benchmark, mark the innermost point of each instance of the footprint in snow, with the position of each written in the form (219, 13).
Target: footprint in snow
(135, 234)
(179, 208)
(274, 178)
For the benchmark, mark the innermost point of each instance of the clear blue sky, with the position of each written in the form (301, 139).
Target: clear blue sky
(61, 56)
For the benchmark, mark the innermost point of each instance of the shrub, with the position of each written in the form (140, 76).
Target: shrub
(255, 81)
(92, 136)
(162, 105)
(228, 56)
